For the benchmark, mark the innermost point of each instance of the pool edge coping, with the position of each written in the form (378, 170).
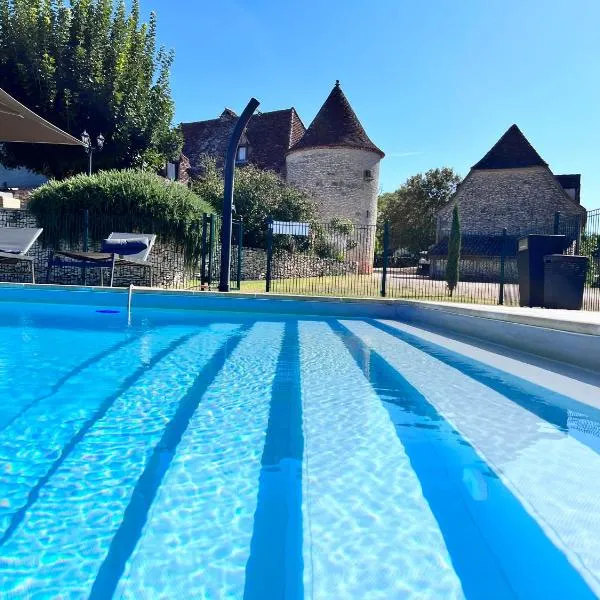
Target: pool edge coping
(495, 313)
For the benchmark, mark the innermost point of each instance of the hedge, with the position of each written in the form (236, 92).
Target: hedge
(128, 200)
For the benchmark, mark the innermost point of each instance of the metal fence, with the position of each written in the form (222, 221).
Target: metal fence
(184, 256)
(341, 260)
(331, 259)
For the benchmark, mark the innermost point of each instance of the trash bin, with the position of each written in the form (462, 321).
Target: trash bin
(530, 263)
(564, 281)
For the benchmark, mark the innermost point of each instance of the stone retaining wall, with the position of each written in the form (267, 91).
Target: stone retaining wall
(285, 265)
(168, 263)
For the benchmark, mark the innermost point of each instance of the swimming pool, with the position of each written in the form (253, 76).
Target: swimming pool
(263, 456)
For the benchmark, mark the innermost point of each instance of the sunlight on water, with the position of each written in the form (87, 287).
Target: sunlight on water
(247, 456)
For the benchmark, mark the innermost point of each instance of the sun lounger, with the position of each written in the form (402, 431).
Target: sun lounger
(131, 249)
(15, 243)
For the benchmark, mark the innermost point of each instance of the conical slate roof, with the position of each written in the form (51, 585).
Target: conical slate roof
(511, 151)
(336, 125)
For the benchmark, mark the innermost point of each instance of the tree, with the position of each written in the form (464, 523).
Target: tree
(88, 65)
(453, 252)
(411, 209)
(257, 196)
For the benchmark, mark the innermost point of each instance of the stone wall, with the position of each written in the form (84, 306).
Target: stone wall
(477, 269)
(517, 199)
(285, 265)
(167, 262)
(335, 178)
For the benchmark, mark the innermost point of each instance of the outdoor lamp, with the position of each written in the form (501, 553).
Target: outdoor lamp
(85, 138)
(87, 142)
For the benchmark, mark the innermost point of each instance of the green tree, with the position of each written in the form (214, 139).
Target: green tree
(88, 64)
(410, 210)
(453, 252)
(258, 195)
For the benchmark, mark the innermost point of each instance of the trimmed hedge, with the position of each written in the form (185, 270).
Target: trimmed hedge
(128, 200)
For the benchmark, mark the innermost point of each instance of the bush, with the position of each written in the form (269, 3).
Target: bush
(258, 195)
(127, 200)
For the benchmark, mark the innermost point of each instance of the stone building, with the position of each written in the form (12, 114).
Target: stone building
(333, 160)
(512, 187)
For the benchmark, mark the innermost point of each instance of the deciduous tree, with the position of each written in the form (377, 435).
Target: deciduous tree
(411, 209)
(88, 64)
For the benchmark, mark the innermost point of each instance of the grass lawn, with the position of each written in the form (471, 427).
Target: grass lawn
(369, 286)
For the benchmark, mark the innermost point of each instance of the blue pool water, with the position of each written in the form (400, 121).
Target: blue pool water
(213, 455)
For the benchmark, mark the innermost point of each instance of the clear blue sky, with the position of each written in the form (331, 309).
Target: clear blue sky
(434, 82)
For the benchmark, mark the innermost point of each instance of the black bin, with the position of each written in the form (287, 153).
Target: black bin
(530, 263)
(564, 281)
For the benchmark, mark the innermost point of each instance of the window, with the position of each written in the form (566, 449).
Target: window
(241, 154)
(367, 175)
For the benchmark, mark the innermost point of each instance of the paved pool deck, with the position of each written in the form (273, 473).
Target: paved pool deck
(577, 321)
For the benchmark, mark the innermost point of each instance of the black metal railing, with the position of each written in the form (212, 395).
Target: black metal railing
(330, 259)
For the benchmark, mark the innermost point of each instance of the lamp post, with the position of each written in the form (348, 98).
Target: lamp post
(90, 149)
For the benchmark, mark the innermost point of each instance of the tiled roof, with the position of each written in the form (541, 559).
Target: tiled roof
(269, 136)
(336, 125)
(511, 151)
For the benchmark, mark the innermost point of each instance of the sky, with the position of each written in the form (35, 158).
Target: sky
(434, 82)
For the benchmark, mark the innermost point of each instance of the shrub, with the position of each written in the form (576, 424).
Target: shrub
(258, 195)
(127, 200)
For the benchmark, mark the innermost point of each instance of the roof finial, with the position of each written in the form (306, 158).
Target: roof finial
(337, 83)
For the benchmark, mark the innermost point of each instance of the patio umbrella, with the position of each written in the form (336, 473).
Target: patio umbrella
(19, 124)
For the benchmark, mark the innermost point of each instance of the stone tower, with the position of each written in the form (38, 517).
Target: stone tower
(337, 163)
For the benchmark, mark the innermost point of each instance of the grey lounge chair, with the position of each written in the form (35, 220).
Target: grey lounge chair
(15, 243)
(118, 249)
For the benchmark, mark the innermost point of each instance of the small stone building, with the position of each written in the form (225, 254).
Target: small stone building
(512, 187)
(333, 160)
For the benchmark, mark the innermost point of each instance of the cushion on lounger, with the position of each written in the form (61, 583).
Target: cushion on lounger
(125, 246)
(10, 248)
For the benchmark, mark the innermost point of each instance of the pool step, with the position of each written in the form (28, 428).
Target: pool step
(34, 443)
(30, 364)
(197, 540)
(369, 531)
(65, 535)
(540, 469)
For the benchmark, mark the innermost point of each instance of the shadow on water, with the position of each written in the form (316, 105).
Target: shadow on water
(497, 548)
(275, 567)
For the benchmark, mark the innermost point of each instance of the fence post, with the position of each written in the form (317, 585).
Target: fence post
(556, 222)
(269, 254)
(211, 243)
(240, 253)
(386, 243)
(203, 250)
(502, 261)
(86, 241)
